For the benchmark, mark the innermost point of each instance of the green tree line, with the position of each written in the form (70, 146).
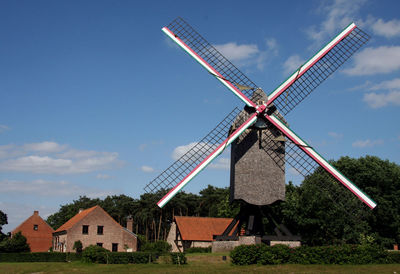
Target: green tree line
(311, 209)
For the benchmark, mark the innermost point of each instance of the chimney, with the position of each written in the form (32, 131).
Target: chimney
(129, 223)
(36, 212)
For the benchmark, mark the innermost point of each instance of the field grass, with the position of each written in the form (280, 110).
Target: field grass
(197, 263)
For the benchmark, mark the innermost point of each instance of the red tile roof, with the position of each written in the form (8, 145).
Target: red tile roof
(39, 240)
(71, 222)
(201, 228)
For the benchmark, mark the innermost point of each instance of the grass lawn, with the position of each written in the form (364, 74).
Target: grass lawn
(197, 263)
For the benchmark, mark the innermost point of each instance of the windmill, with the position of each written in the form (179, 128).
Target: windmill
(262, 142)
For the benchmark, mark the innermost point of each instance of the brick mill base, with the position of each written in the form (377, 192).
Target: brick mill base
(224, 246)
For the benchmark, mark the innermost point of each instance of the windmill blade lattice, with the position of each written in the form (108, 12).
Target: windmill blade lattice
(321, 70)
(305, 166)
(212, 56)
(294, 156)
(187, 162)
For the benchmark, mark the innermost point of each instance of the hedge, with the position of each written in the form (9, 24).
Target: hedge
(94, 257)
(344, 254)
(198, 250)
(39, 257)
(130, 257)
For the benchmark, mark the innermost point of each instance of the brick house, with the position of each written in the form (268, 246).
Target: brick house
(94, 226)
(186, 232)
(37, 232)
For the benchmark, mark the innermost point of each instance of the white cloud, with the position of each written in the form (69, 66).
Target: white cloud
(3, 128)
(388, 29)
(221, 163)
(367, 143)
(393, 84)
(50, 188)
(378, 100)
(384, 59)
(292, 64)
(235, 52)
(338, 14)
(77, 154)
(272, 45)
(103, 176)
(249, 54)
(42, 158)
(147, 169)
(201, 149)
(46, 147)
(294, 171)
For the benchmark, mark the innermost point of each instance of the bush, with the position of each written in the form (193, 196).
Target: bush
(245, 254)
(159, 247)
(17, 243)
(78, 246)
(95, 254)
(343, 254)
(178, 258)
(198, 250)
(277, 254)
(394, 257)
(130, 258)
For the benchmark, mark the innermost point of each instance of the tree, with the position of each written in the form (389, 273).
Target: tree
(78, 246)
(119, 207)
(3, 221)
(68, 211)
(310, 211)
(17, 243)
(209, 200)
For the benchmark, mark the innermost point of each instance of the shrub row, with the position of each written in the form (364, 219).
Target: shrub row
(281, 254)
(39, 257)
(133, 258)
(198, 250)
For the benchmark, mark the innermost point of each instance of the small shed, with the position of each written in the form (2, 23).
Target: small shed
(186, 232)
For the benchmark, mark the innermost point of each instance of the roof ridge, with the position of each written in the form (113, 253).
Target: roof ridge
(27, 219)
(76, 218)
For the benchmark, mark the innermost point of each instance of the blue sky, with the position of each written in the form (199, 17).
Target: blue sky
(95, 100)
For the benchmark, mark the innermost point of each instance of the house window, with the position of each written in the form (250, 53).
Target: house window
(35, 227)
(85, 229)
(115, 247)
(100, 244)
(100, 230)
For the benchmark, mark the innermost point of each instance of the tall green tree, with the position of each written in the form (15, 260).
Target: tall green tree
(68, 211)
(321, 218)
(3, 221)
(17, 243)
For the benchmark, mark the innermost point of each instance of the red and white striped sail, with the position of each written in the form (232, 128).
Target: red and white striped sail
(320, 160)
(207, 160)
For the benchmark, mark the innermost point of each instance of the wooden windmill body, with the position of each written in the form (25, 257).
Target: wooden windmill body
(257, 171)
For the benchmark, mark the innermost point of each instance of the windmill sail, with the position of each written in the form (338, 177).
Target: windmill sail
(290, 93)
(312, 73)
(320, 160)
(211, 59)
(198, 157)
